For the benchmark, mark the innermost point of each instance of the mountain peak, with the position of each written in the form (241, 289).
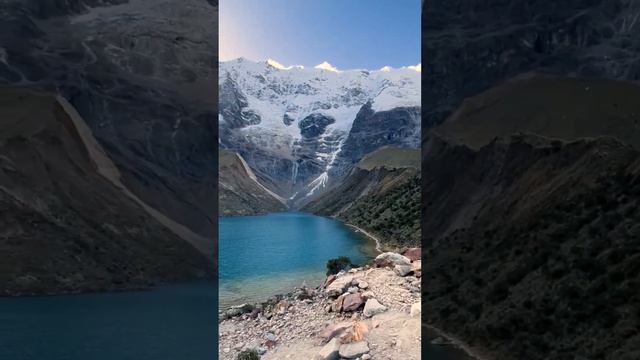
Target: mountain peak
(279, 66)
(326, 66)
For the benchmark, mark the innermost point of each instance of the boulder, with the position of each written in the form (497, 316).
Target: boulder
(352, 302)
(281, 307)
(391, 259)
(238, 310)
(368, 295)
(339, 285)
(353, 350)
(402, 270)
(336, 306)
(353, 289)
(373, 307)
(330, 351)
(333, 330)
(413, 254)
(363, 284)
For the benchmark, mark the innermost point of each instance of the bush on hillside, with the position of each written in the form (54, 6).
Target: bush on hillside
(334, 266)
(249, 355)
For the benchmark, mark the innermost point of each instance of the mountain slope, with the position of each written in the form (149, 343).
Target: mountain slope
(494, 40)
(530, 220)
(240, 191)
(67, 226)
(560, 107)
(381, 195)
(299, 129)
(533, 246)
(141, 73)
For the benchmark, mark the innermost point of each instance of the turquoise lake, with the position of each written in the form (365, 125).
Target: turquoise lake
(167, 323)
(261, 256)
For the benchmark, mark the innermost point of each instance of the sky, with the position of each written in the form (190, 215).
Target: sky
(349, 34)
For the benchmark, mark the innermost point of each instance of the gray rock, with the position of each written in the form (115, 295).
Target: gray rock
(391, 259)
(338, 286)
(352, 302)
(363, 285)
(353, 290)
(270, 336)
(353, 350)
(402, 270)
(373, 307)
(330, 351)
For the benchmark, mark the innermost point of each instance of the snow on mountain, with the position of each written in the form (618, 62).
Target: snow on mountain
(302, 115)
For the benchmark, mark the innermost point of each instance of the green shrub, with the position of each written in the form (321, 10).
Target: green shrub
(334, 266)
(249, 355)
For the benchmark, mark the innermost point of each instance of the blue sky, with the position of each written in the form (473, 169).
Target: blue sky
(349, 34)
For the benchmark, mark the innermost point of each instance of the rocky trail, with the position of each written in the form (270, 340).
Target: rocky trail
(363, 313)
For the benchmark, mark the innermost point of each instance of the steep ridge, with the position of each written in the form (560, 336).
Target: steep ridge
(495, 40)
(380, 195)
(240, 191)
(140, 72)
(560, 107)
(530, 217)
(301, 129)
(68, 227)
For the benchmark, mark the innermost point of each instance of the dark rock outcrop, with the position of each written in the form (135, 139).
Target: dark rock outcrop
(142, 74)
(399, 127)
(240, 191)
(67, 224)
(314, 125)
(470, 46)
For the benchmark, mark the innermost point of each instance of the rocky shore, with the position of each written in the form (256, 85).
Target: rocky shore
(370, 312)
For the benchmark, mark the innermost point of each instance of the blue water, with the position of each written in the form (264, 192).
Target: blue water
(270, 254)
(168, 323)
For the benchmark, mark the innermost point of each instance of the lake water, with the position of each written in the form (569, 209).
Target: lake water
(261, 256)
(167, 323)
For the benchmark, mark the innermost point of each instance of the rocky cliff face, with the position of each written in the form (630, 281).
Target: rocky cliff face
(492, 41)
(381, 195)
(67, 223)
(240, 192)
(300, 129)
(142, 74)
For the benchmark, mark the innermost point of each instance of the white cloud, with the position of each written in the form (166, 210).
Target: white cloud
(326, 66)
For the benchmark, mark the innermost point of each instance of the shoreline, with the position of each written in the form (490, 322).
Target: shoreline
(378, 243)
(457, 343)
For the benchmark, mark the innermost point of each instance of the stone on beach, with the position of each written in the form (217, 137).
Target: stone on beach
(373, 307)
(330, 351)
(333, 330)
(413, 254)
(391, 259)
(352, 302)
(338, 286)
(402, 270)
(353, 350)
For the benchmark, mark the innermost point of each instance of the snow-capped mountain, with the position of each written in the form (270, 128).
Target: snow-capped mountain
(293, 124)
